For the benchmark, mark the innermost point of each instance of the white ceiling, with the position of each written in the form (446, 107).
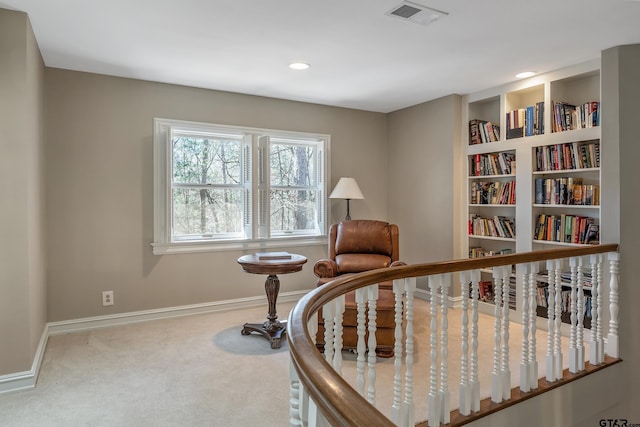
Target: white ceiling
(360, 57)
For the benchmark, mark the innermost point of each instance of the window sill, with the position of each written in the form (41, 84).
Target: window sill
(231, 245)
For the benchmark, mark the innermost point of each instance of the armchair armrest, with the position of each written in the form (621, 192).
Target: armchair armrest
(397, 263)
(325, 268)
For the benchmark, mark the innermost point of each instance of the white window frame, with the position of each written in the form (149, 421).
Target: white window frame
(257, 139)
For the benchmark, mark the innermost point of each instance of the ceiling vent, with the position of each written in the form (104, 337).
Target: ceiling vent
(415, 12)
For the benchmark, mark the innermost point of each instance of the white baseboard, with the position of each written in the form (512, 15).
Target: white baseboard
(27, 380)
(452, 302)
(88, 323)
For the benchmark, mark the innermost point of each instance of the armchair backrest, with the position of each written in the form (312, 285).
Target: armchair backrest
(361, 245)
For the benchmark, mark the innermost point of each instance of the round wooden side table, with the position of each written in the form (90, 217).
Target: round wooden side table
(272, 329)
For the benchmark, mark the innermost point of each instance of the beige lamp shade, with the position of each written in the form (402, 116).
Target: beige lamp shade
(346, 188)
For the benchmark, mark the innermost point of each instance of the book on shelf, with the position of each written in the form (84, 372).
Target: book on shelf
(527, 121)
(570, 117)
(482, 132)
(492, 193)
(566, 228)
(498, 226)
(485, 288)
(568, 191)
(569, 156)
(480, 252)
(266, 256)
(502, 163)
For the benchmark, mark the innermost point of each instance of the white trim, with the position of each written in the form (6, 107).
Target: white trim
(27, 380)
(89, 323)
(208, 246)
(162, 241)
(452, 302)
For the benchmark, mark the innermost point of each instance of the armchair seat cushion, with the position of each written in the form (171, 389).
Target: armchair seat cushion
(356, 263)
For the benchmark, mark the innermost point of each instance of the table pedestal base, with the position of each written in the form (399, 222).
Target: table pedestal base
(273, 331)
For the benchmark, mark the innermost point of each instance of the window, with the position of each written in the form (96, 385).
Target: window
(221, 187)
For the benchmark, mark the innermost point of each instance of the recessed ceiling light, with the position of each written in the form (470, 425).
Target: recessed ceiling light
(525, 74)
(298, 66)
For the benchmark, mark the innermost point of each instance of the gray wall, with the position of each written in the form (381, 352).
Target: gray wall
(100, 190)
(421, 143)
(22, 233)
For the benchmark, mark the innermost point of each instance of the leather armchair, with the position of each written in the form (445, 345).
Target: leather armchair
(356, 246)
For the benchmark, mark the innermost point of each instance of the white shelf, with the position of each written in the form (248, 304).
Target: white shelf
(482, 177)
(545, 205)
(502, 239)
(566, 171)
(486, 205)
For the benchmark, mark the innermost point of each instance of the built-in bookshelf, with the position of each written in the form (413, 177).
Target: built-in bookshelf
(548, 142)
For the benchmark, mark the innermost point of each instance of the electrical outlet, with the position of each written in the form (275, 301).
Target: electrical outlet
(107, 298)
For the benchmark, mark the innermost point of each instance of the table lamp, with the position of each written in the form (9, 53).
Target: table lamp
(346, 188)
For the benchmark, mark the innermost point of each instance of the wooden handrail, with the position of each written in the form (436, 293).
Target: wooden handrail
(339, 403)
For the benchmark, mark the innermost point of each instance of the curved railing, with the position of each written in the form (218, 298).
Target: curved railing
(318, 392)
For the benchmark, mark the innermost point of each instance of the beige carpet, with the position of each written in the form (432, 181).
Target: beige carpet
(200, 371)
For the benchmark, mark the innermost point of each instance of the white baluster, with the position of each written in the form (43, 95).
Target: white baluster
(595, 344)
(612, 338)
(465, 391)
(521, 273)
(316, 419)
(396, 407)
(408, 407)
(533, 315)
(573, 350)
(580, 314)
(434, 401)
(474, 383)
(372, 315)
(312, 326)
(337, 336)
(328, 313)
(445, 397)
(557, 348)
(550, 323)
(505, 371)
(600, 326)
(295, 418)
(496, 377)
(361, 348)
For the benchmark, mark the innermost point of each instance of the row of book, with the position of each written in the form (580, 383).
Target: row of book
(565, 277)
(572, 155)
(498, 226)
(480, 252)
(482, 132)
(503, 163)
(566, 191)
(565, 300)
(493, 193)
(567, 229)
(569, 117)
(527, 121)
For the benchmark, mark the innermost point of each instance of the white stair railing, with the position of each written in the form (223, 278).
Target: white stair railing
(304, 407)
